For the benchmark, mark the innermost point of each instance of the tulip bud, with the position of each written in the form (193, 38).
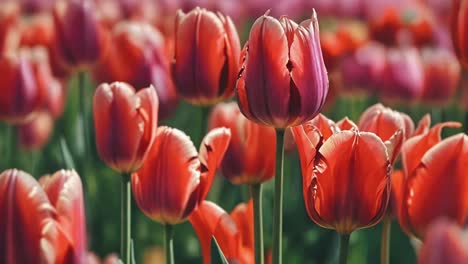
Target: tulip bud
(446, 242)
(125, 124)
(459, 22)
(441, 75)
(404, 75)
(21, 96)
(283, 81)
(136, 56)
(179, 174)
(206, 62)
(79, 38)
(250, 157)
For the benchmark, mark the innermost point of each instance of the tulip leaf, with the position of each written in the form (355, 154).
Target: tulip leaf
(66, 156)
(217, 256)
(132, 252)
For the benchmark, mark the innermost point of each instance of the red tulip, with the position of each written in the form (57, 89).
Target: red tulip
(459, 23)
(283, 81)
(9, 14)
(445, 243)
(441, 75)
(21, 96)
(206, 62)
(136, 56)
(434, 182)
(65, 193)
(358, 161)
(29, 232)
(234, 233)
(250, 157)
(35, 134)
(179, 175)
(79, 38)
(125, 124)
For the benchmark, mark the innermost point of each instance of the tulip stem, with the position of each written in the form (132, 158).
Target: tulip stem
(125, 219)
(385, 246)
(344, 245)
(256, 194)
(205, 112)
(168, 243)
(278, 199)
(83, 117)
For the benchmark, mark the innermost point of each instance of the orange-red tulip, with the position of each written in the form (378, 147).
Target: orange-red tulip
(21, 96)
(250, 157)
(125, 124)
(79, 38)
(9, 14)
(206, 58)
(346, 175)
(136, 56)
(175, 178)
(445, 243)
(65, 193)
(41, 225)
(459, 23)
(434, 182)
(283, 81)
(234, 232)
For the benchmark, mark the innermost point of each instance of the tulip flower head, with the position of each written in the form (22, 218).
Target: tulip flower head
(434, 183)
(175, 178)
(125, 123)
(234, 232)
(206, 58)
(283, 81)
(250, 157)
(358, 161)
(459, 23)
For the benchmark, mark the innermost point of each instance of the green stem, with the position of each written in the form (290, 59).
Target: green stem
(126, 221)
(256, 194)
(344, 244)
(205, 113)
(278, 199)
(385, 246)
(83, 115)
(168, 243)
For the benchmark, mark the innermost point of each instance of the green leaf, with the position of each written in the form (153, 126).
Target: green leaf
(217, 255)
(66, 156)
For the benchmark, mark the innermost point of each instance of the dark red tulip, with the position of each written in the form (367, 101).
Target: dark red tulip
(29, 232)
(125, 124)
(65, 193)
(359, 161)
(459, 23)
(234, 233)
(250, 157)
(445, 243)
(434, 184)
(136, 56)
(206, 62)
(441, 75)
(21, 96)
(179, 175)
(36, 6)
(283, 81)
(79, 38)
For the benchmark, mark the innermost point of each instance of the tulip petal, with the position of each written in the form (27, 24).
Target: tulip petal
(28, 231)
(165, 185)
(326, 126)
(359, 162)
(266, 72)
(243, 215)
(437, 187)
(212, 150)
(65, 193)
(346, 124)
(211, 220)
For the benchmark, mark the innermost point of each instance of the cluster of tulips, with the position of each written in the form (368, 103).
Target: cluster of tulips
(357, 171)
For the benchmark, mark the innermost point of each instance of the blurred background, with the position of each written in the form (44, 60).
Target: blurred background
(398, 52)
